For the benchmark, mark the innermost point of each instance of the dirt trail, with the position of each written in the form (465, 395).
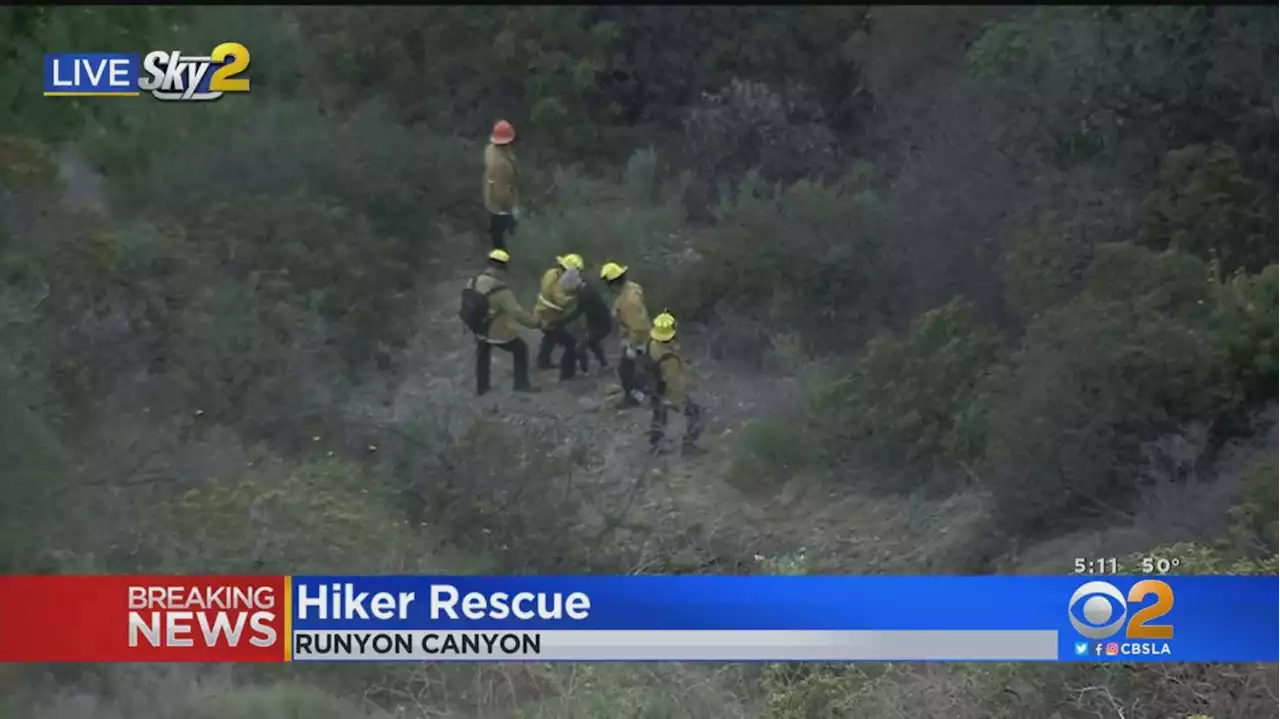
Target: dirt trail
(679, 511)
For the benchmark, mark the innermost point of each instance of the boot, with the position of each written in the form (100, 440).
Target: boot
(529, 389)
(689, 449)
(656, 445)
(628, 402)
(543, 358)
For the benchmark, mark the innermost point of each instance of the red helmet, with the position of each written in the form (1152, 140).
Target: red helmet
(503, 133)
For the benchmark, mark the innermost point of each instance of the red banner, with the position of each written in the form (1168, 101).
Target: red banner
(68, 618)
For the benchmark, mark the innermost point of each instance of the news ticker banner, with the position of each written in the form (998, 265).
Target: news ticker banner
(274, 619)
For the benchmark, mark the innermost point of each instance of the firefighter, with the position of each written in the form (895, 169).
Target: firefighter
(633, 327)
(665, 372)
(490, 309)
(501, 196)
(556, 303)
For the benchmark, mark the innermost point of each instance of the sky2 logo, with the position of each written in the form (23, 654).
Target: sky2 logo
(174, 76)
(1097, 610)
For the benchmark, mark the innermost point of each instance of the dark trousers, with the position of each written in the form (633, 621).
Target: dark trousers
(627, 374)
(519, 356)
(499, 227)
(591, 346)
(658, 425)
(559, 336)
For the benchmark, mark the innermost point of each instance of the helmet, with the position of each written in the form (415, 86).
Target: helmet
(664, 327)
(503, 133)
(571, 262)
(612, 271)
(500, 256)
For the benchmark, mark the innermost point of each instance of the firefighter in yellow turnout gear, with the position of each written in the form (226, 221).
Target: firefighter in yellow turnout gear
(557, 300)
(666, 372)
(633, 327)
(501, 195)
(491, 311)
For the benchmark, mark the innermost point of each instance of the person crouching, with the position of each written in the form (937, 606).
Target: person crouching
(557, 300)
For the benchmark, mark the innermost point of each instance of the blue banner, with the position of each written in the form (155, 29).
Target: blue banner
(91, 74)
(1196, 619)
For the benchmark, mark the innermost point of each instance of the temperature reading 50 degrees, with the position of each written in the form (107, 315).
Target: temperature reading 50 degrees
(1159, 565)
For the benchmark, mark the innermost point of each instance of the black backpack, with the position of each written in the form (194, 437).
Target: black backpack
(649, 372)
(475, 308)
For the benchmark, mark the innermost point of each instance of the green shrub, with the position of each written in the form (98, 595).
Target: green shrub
(898, 408)
(244, 357)
(81, 311)
(1093, 380)
(284, 699)
(1254, 526)
(1123, 86)
(480, 67)
(137, 299)
(637, 222)
(581, 85)
(781, 133)
(773, 451)
(1171, 282)
(490, 488)
(318, 517)
(30, 32)
(27, 163)
(316, 254)
(201, 694)
(1204, 205)
(811, 691)
(1246, 319)
(35, 460)
(1044, 263)
(404, 182)
(805, 257)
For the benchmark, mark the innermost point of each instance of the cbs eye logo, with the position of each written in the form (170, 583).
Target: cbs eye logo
(1098, 610)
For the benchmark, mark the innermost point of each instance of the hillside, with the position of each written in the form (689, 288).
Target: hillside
(964, 291)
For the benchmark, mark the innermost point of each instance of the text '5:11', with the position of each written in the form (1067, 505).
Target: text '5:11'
(1101, 565)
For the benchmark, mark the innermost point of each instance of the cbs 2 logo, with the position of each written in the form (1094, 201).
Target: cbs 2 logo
(1103, 609)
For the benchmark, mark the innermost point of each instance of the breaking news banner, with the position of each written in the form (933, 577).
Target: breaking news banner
(652, 618)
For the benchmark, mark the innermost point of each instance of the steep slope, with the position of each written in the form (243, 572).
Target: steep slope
(666, 513)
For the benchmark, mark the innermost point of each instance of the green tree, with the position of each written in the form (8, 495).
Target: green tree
(29, 32)
(1203, 204)
(1126, 84)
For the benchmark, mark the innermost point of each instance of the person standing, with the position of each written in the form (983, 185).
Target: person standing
(491, 311)
(501, 194)
(665, 368)
(633, 327)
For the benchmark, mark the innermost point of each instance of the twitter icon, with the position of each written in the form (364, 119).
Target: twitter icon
(1082, 648)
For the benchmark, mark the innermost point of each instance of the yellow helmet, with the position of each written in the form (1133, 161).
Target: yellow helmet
(571, 262)
(612, 271)
(500, 256)
(664, 327)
